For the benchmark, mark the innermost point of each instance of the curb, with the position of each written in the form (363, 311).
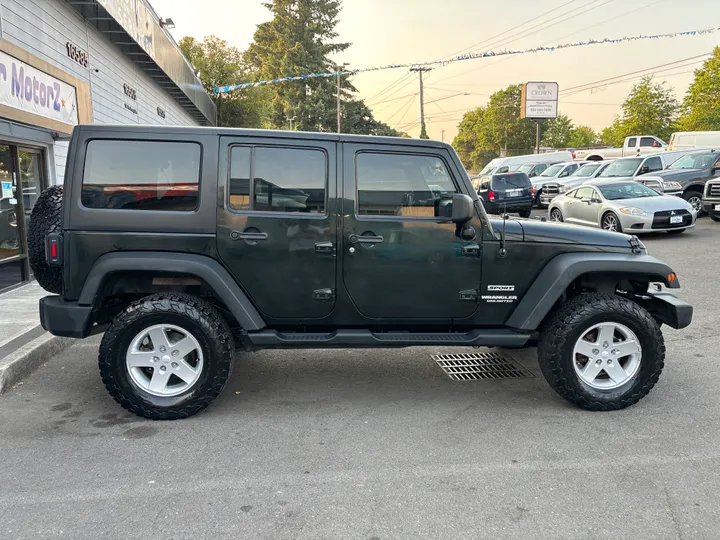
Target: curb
(27, 358)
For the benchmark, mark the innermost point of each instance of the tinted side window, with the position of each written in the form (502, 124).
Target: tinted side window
(631, 142)
(141, 175)
(485, 186)
(653, 164)
(283, 179)
(647, 141)
(584, 192)
(403, 185)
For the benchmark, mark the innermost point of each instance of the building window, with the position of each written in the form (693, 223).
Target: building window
(142, 175)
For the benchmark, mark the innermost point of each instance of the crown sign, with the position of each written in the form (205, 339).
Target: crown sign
(541, 87)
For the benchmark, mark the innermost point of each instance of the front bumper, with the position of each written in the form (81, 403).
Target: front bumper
(667, 308)
(66, 319)
(711, 205)
(647, 224)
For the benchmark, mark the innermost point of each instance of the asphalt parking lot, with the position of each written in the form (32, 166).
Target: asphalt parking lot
(376, 445)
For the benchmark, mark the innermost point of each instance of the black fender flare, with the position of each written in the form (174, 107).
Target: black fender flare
(563, 269)
(205, 268)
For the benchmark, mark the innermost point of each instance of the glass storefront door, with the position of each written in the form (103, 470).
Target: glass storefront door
(21, 174)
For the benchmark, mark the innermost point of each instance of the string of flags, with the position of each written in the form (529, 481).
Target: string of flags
(467, 56)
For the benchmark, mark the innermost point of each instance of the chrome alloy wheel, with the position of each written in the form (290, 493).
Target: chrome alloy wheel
(607, 356)
(164, 360)
(610, 223)
(556, 215)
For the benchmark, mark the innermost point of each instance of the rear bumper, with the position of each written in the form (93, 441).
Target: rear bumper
(512, 205)
(66, 319)
(668, 308)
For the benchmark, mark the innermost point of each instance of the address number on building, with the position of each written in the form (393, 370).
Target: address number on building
(77, 54)
(130, 91)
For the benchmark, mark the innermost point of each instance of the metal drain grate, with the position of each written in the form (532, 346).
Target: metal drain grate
(480, 366)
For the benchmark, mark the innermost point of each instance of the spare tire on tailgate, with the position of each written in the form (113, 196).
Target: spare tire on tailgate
(46, 218)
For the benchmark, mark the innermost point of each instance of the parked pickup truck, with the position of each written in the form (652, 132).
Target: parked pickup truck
(640, 144)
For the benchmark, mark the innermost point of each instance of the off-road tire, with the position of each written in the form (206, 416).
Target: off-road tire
(525, 213)
(567, 324)
(46, 218)
(183, 310)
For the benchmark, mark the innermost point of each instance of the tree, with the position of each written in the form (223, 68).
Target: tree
(582, 137)
(701, 106)
(650, 109)
(358, 118)
(558, 132)
(486, 132)
(220, 64)
(613, 135)
(299, 39)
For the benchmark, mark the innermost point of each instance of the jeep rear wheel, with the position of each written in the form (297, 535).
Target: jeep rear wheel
(46, 218)
(166, 356)
(601, 352)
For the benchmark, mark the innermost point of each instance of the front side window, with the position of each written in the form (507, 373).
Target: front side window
(695, 161)
(283, 179)
(648, 142)
(141, 175)
(653, 164)
(403, 185)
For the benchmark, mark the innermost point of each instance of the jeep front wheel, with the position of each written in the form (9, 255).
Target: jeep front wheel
(602, 352)
(166, 356)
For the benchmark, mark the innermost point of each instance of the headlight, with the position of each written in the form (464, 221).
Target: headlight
(632, 211)
(672, 185)
(563, 189)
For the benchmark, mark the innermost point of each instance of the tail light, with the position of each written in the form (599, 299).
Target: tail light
(491, 195)
(53, 249)
(532, 190)
(574, 155)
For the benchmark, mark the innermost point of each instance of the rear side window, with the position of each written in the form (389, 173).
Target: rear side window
(631, 142)
(283, 179)
(141, 175)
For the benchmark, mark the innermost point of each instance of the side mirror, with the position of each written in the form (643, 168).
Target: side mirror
(644, 170)
(564, 174)
(588, 200)
(463, 209)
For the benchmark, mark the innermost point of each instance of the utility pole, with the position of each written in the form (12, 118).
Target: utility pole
(442, 135)
(537, 136)
(291, 121)
(338, 70)
(423, 130)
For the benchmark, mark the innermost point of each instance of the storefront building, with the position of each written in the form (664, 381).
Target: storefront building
(64, 63)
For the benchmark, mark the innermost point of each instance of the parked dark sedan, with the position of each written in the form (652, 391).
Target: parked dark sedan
(511, 192)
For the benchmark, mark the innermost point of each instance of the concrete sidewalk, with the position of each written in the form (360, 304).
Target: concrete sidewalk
(24, 345)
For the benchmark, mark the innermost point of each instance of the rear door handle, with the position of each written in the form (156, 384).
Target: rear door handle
(235, 235)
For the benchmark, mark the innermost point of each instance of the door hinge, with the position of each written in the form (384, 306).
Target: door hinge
(471, 295)
(324, 295)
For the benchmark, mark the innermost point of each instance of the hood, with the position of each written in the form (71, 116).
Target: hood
(562, 233)
(654, 204)
(678, 175)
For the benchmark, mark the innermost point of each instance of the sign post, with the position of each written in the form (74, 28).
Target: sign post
(539, 102)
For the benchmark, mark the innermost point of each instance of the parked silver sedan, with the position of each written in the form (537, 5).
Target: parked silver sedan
(622, 206)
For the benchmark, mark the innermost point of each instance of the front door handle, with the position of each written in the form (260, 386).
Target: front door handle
(325, 248)
(355, 239)
(471, 250)
(255, 236)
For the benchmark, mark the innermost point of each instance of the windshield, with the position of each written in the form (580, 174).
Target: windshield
(553, 171)
(631, 190)
(587, 171)
(526, 168)
(489, 168)
(695, 161)
(621, 167)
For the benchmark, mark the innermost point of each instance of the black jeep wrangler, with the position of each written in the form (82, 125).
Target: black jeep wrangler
(185, 244)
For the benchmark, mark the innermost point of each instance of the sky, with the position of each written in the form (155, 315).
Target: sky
(406, 31)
